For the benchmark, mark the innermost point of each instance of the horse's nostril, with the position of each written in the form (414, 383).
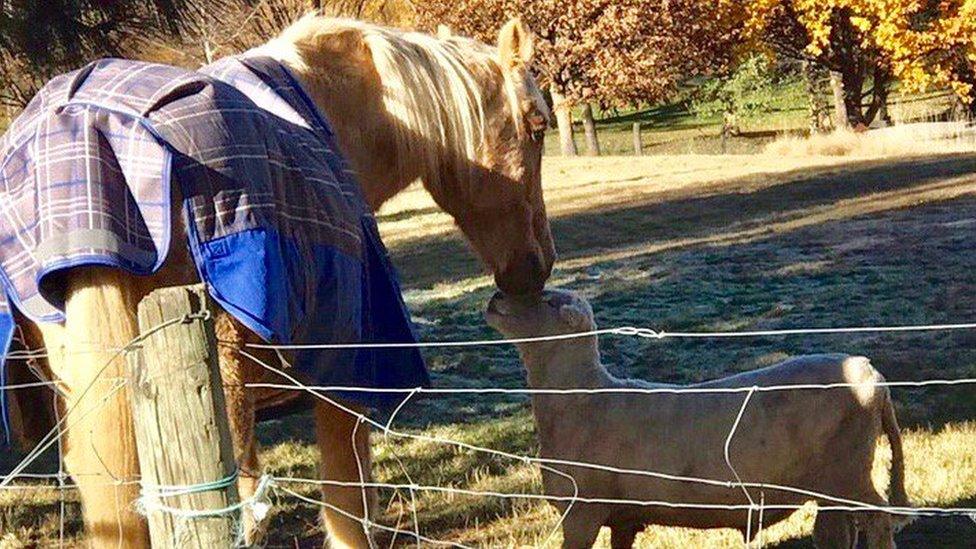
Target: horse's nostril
(526, 275)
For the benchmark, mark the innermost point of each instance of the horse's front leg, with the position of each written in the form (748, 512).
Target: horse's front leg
(340, 440)
(98, 444)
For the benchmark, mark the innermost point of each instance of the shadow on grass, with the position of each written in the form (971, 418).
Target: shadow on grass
(673, 215)
(658, 115)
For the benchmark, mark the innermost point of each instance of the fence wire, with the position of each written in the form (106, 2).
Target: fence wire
(280, 485)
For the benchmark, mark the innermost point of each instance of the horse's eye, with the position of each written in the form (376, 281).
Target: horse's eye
(537, 125)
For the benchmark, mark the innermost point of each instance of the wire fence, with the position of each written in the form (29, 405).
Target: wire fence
(751, 501)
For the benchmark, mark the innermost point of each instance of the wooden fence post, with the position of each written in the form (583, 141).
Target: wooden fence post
(638, 145)
(180, 420)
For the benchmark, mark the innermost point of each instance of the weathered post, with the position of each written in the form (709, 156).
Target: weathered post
(638, 145)
(184, 445)
(841, 116)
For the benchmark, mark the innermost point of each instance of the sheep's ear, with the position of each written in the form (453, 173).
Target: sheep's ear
(515, 44)
(575, 318)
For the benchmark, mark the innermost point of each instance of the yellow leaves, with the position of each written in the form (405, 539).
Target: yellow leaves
(923, 43)
(962, 89)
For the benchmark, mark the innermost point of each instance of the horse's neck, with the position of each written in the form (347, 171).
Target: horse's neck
(370, 147)
(364, 129)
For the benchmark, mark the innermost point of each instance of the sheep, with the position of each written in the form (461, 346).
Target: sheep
(819, 440)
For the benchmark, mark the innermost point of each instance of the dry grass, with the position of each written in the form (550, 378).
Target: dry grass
(941, 471)
(895, 141)
(941, 468)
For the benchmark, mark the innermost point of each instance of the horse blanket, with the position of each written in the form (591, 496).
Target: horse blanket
(276, 222)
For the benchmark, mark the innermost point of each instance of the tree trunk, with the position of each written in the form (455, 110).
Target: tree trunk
(849, 66)
(966, 73)
(853, 88)
(638, 144)
(564, 121)
(589, 129)
(840, 103)
(879, 99)
(883, 113)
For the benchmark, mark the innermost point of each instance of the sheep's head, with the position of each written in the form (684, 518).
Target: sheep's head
(553, 312)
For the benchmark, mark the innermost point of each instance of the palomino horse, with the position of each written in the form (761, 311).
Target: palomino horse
(464, 118)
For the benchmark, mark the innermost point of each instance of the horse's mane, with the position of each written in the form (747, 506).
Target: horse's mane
(431, 87)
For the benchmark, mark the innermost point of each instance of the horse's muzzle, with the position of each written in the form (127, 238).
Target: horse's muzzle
(527, 275)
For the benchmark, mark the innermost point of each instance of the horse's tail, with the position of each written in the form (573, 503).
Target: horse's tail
(30, 409)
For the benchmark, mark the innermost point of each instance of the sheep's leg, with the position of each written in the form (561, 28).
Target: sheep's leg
(336, 430)
(581, 527)
(99, 440)
(834, 530)
(240, 413)
(622, 537)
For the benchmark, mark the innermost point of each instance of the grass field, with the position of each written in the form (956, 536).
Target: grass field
(675, 242)
(673, 129)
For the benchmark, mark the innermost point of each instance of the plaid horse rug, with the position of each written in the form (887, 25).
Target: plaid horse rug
(276, 222)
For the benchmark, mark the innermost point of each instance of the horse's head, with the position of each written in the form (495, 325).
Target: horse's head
(497, 200)
(465, 118)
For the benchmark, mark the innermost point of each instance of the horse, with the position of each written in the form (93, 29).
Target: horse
(464, 118)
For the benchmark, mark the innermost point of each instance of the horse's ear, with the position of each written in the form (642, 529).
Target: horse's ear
(340, 41)
(444, 32)
(334, 47)
(515, 44)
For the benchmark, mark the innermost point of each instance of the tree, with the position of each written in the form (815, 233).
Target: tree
(225, 27)
(931, 44)
(616, 52)
(41, 39)
(830, 34)
(745, 94)
(922, 43)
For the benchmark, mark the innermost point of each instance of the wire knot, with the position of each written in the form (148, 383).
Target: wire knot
(203, 315)
(639, 332)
